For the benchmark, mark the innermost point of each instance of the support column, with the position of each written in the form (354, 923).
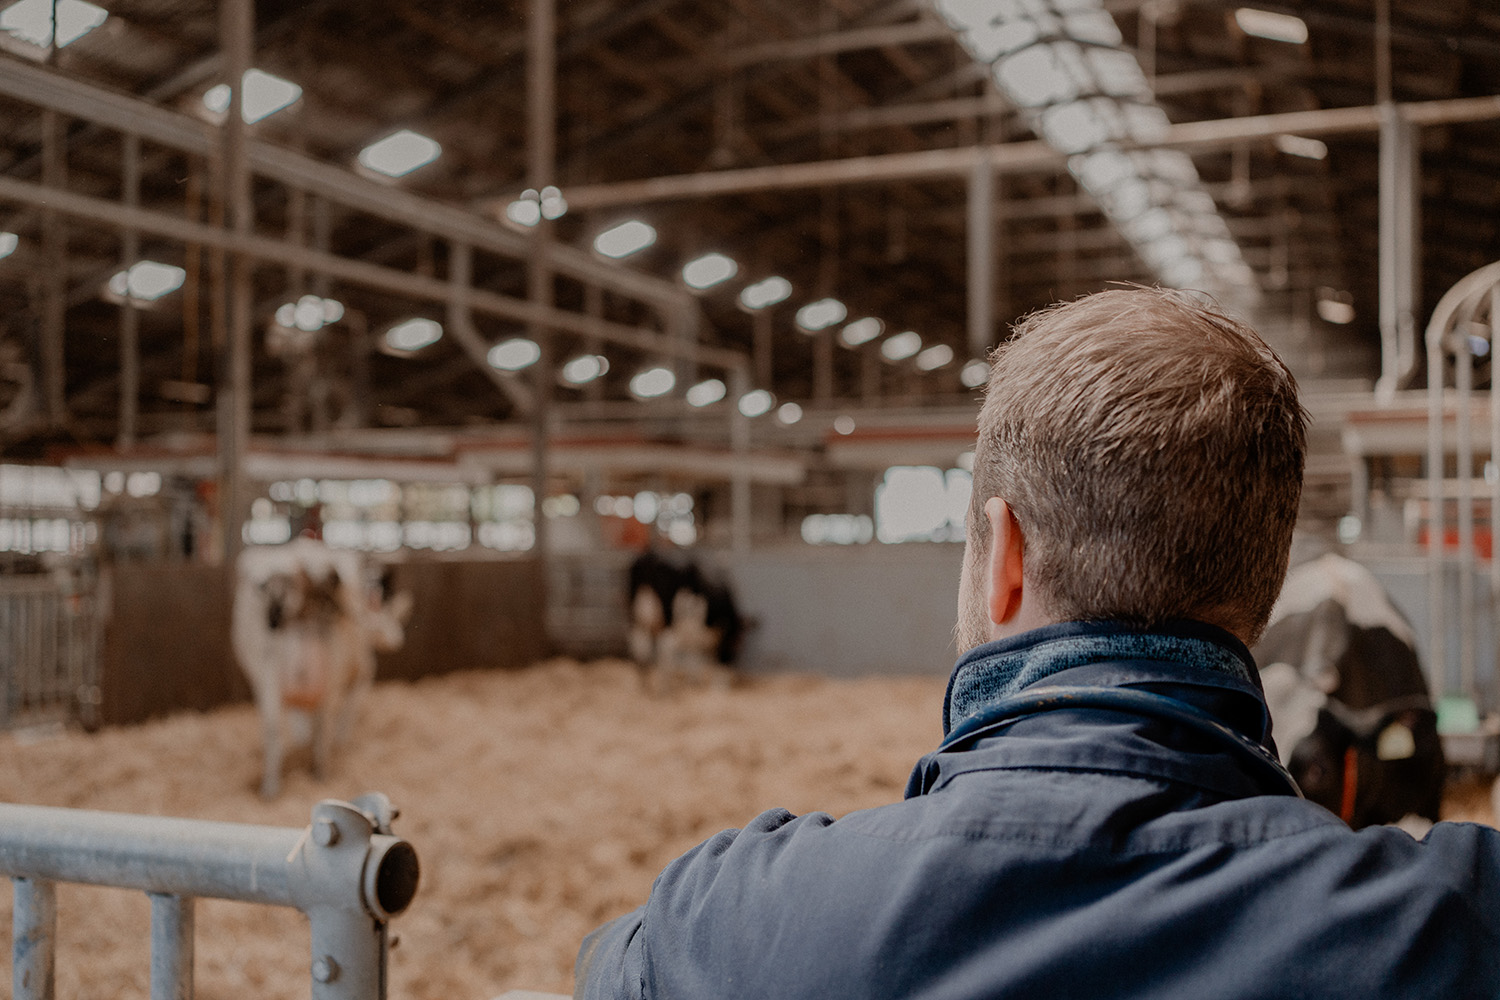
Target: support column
(1400, 246)
(236, 38)
(739, 483)
(171, 947)
(541, 158)
(130, 317)
(55, 281)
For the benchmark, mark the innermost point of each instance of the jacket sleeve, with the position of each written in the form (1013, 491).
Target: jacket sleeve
(609, 964)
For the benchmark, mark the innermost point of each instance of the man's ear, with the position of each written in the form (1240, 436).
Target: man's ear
(1005, 577)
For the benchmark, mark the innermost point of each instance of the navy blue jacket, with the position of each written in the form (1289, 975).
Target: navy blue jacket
(1073, 853)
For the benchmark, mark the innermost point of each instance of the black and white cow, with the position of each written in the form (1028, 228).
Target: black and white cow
(681, 621)
(1350, 711)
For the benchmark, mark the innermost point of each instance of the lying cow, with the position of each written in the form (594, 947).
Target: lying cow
(1349, 705)
(307, 625)
(681, 622)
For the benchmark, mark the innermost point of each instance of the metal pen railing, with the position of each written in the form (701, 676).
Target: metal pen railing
(345, 871)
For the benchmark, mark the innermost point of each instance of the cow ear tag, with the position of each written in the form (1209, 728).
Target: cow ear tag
(1396, 742)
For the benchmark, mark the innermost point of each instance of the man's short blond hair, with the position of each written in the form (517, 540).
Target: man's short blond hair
(1151, 449)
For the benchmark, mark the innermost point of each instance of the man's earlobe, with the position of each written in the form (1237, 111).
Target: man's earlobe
(1005, 584)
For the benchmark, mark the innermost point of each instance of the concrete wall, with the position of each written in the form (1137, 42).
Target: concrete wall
(849, 611)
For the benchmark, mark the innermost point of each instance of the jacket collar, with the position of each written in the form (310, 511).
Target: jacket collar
(1188, 653)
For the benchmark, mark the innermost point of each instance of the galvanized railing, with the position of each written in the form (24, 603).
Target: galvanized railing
(49, 652)
(345, 871)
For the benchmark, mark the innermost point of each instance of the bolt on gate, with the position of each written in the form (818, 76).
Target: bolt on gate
(345, 871)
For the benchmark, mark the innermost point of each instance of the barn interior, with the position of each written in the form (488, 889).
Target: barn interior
(501, 294)
(497, 295)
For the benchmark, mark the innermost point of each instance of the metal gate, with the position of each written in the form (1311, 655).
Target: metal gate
(49, 651)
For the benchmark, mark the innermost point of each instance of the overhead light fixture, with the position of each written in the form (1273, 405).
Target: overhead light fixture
(584, 369)
(8, 244)
(766, 292)
(309, 313)
(554, 205)
(709, 270)
(625, 239)
(264, 95)
(820, 315)
(653, 382)
(1268, 24)
(399, 154)
(974, 374)
(934, 357)
(1301, 145)
(901, 346)
(705, 393)
(756, 402)
(525, 210)
(31, 21)
(789, 413)
(844, 424)
(514, 354)
(146, 281)
(1335, 306)
(414, 334)
(862, 331)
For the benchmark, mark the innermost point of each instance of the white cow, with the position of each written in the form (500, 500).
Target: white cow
(307, 625)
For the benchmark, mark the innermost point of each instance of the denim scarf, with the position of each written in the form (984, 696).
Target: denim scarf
(998, 669)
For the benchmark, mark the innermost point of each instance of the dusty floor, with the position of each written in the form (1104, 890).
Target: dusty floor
(542, 802)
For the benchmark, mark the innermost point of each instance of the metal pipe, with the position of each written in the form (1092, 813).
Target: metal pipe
(236, 37)
(739, 482)
(1012, 157)
(130, 321)
(34, 933)
(981, 233)
(47, 89)
(541, 160)
(461, 325)
(1400, 240)
(1463, 377)
(344, 269)
(172, 919)
(55, 279)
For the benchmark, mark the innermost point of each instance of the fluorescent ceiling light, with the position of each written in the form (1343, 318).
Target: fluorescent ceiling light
(653, 382)
(1267, 24)
(789, 413)
(709, 270)
(309, 313)
(414, 334)
(766, 292)
(820, 315)
(1335, 307)
(901, 346)
(8, 244)
(934, 357)
(756, 402)
(706, 392)
(554, 205)
(514, 354)
(31, 21)
(625, 239)
(862, 331)
(974, 374)
(147, 281)
(844, 424)
(585, 369)
(1301, 145)
(264, 96)
(525, 210)
(399, 154)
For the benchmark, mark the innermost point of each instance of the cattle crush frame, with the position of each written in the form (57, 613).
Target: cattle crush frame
(345, 871)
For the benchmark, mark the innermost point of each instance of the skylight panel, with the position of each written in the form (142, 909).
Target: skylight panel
(625, 239)
(265, 95)
(766, 292)
(1092, 25)
(901, 346)
(31, 21)
(1268, 24)
(756, 402)
(514, 354)
(706, 392)
(584, 369)
(399, 154)
(1042, 74)
(820, 315)
(709, 270)
(653, 382)
(862, 331)
(414, 334)
(1118, 73)
(1080, 125)
(147, 281)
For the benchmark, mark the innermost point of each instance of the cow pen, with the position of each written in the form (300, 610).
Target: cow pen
(345, 871)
